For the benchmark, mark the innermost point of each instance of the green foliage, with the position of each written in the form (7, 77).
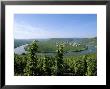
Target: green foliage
(32, 64)
(49, 66)
(84, 65)
(92, 67)
(31, 59)
(19, 64)
(80, 67)
(49, 45)
(60, 66)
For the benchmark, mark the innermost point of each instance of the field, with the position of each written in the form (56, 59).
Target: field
(55, 57)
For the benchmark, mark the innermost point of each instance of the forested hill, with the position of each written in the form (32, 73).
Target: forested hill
(20, 42)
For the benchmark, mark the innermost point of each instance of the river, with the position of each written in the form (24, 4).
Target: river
(91, 49)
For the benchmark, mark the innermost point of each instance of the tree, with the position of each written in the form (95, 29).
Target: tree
(31, 66)
(60, 62)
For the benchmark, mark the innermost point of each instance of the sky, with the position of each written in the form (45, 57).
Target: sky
(31, 26)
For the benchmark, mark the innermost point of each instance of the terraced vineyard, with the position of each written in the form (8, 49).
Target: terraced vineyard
(56, 56)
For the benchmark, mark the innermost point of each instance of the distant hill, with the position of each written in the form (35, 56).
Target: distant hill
(20, 42)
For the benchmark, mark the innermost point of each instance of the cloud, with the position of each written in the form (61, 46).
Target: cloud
(23, 30)
(26, 31)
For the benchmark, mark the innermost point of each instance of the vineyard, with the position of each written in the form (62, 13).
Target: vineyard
(31, 63)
